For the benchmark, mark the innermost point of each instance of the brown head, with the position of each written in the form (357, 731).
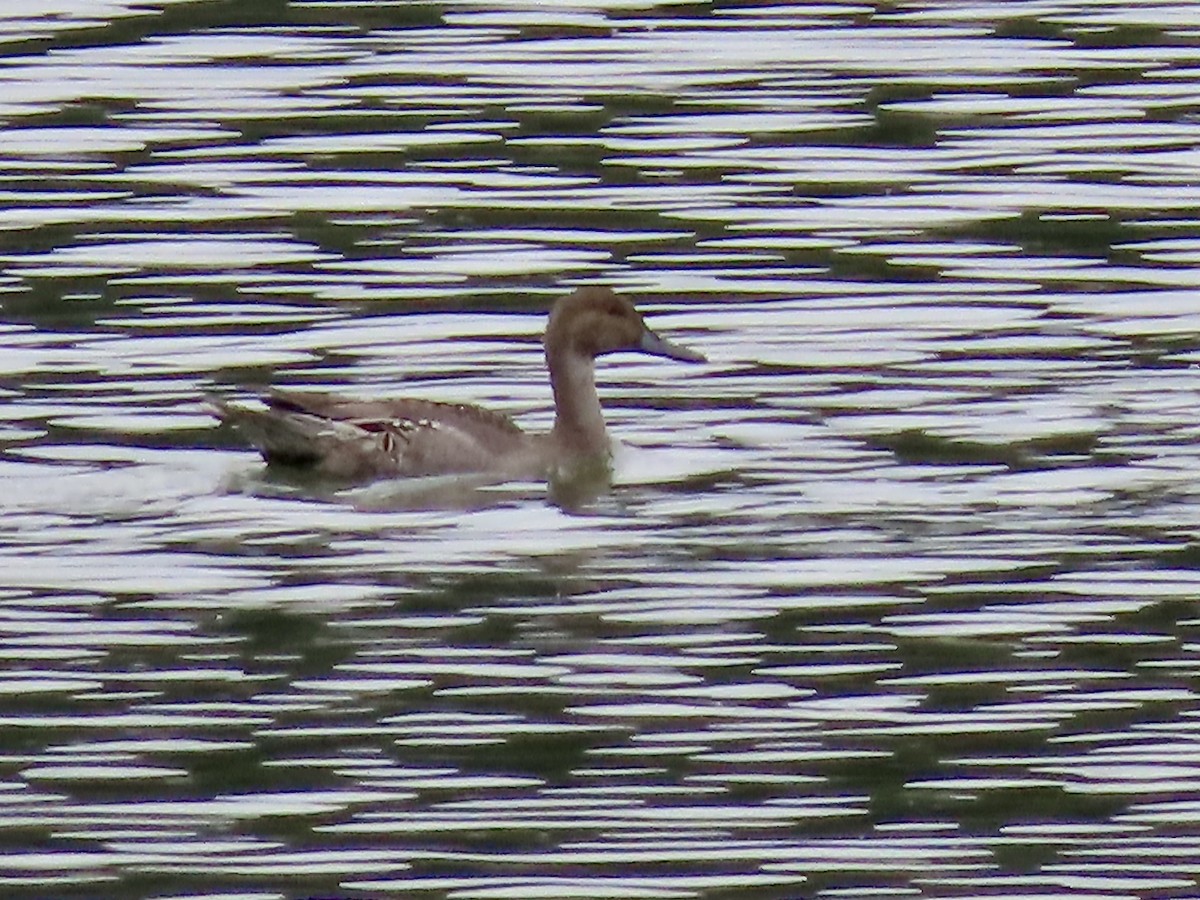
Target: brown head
(594, 320)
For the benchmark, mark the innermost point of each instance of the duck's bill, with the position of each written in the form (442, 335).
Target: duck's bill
(656, 346)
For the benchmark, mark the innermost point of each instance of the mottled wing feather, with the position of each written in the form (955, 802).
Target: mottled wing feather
(485, 424)
(410, 437)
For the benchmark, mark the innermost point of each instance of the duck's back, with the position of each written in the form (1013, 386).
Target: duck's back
(371, 438)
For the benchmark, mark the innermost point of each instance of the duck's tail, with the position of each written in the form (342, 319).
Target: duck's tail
(282, 436)
(287, 433)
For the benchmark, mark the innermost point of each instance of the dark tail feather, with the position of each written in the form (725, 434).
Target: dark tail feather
(281, 436)
(287, 433)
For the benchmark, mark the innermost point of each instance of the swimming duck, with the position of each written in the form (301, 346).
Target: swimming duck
(360, 439)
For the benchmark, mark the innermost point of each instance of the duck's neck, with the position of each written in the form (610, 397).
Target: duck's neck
(578, 420)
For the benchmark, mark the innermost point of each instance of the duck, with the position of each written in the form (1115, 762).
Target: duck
(356, 440)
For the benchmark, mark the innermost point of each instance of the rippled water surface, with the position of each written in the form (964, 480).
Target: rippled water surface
(894, 597)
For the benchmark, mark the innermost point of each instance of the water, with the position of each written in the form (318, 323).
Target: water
(893, 597)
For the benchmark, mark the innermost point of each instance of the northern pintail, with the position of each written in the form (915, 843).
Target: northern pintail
(361, 439)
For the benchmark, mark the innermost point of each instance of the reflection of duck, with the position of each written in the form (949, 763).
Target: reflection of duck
(380, 438)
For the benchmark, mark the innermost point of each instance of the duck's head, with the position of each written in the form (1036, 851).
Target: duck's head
(594, 320)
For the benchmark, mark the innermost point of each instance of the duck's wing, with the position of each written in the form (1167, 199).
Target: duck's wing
(362, 439)
(483, 424)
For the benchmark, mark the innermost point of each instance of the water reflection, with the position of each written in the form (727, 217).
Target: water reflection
(895, 599)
